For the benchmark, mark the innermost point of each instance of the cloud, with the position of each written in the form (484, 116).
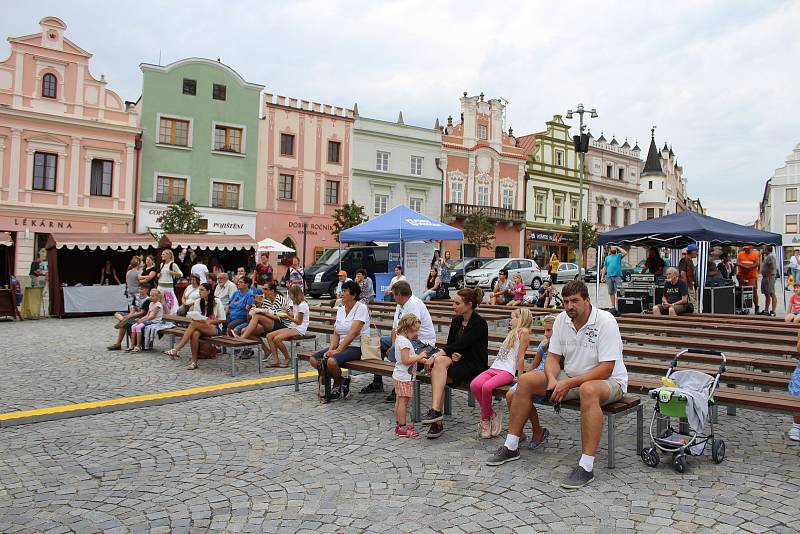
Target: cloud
(717, 77)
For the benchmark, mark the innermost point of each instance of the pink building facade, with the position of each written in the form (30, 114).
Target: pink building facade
(484, 170)
(67, 145)
(304, 172)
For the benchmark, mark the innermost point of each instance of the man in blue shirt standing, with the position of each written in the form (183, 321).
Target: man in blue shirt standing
(612, 272)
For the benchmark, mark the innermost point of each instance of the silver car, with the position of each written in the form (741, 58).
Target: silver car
(567, 272)
(487, 275)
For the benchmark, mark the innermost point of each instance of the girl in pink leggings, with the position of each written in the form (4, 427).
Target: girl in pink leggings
(510, 357)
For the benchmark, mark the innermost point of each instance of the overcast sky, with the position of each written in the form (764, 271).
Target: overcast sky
(720, 79)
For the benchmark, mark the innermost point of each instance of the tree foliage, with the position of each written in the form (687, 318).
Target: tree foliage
(180, 218)
(479, 231)
(347, 216)
(589, 235)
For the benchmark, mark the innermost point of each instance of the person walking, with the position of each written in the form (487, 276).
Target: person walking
(612, 272)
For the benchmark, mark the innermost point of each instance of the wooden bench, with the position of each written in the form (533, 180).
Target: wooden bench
(628, 404)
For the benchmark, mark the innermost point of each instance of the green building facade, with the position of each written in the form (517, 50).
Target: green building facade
(199, 122)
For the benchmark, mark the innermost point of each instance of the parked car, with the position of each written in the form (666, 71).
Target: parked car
(323, 276)
(486, 276)
(627, 271)
(455, 277)
(567, 272)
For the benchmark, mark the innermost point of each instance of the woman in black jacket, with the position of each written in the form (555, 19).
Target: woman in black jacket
(465, 356)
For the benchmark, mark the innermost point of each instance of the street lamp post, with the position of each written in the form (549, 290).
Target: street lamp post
(581, 146)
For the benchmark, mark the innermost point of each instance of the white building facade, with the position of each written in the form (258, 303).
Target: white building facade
(662, 184)
(396, 163)
(612, 171)
(780, 208)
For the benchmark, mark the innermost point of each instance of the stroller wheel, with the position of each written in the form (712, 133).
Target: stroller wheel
(718, 451)
(650, 457)
(680, 463)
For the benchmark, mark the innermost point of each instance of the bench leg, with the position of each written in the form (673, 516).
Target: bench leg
(639, 428)
(233, 364)
(612, 438)
(416, 410)
(258, 357)
(447, 400)
(732, 409)
(470, 399)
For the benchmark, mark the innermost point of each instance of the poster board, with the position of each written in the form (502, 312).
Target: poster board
(417, 264)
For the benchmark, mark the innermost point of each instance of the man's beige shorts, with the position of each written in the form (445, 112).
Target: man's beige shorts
(613, 386)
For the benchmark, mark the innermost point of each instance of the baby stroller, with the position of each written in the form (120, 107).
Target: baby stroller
(687, 396)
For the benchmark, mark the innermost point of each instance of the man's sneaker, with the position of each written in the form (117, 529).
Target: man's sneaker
(435, 430)
(578, 478)
(432, 417)
(335, 394)
(533, 445)
(503, 455)
(246, 354)
(391, 398)
(373, 387)
(794, 434)
(406, 431)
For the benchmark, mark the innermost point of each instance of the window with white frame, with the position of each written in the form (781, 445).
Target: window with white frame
(791, 194)
(381, 204)
(483, 195)
(415, 203)
(457, 192)
(540, 203)
(382, 161)
(44, 171)
(558, 207)
(483, 132)
(416, 165)
(508, 199)
(791, 224)
(651, 213)
(228, 139)
(609, 170)
(559, 157)
(170, 190)
(573, 209)
(600, 213)
(102, 175)
(173, 132)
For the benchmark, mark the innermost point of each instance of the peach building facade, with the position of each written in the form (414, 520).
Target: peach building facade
(303, 174)
(67, 145)
(484, 170)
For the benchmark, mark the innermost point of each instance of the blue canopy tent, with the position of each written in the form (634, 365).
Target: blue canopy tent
(678, 230)
(400, 224)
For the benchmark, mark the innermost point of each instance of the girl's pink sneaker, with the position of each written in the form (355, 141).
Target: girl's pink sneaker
(406, 431)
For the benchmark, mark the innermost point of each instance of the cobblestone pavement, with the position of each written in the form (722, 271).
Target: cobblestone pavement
(52, 362)
(276, 461)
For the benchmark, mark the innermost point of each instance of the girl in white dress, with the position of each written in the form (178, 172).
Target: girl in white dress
(167, 274)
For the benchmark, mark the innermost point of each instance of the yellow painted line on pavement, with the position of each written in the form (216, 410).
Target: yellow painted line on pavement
(153, 396)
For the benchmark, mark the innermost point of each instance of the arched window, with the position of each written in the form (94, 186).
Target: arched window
(49, 86)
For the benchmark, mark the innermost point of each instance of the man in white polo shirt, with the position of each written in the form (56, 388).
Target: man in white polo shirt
(588, 338)
(425, 342)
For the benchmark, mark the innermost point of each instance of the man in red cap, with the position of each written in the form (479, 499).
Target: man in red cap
(748, 263)
(342, 279)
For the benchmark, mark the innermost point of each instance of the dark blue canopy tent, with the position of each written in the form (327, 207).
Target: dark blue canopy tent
(677, 230)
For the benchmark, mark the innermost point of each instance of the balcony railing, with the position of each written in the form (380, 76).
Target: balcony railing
(461, 211)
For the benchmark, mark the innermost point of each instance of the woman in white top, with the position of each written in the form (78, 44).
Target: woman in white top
(190, 295)
(352, 322)
(167, 274)
(207, 312)
(298, 324)
(398, 277)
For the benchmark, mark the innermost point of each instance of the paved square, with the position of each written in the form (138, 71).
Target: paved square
(276, 461)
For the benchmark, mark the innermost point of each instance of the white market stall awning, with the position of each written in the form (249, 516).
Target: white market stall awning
(101, 241)
(270, 245)
(207, 241)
